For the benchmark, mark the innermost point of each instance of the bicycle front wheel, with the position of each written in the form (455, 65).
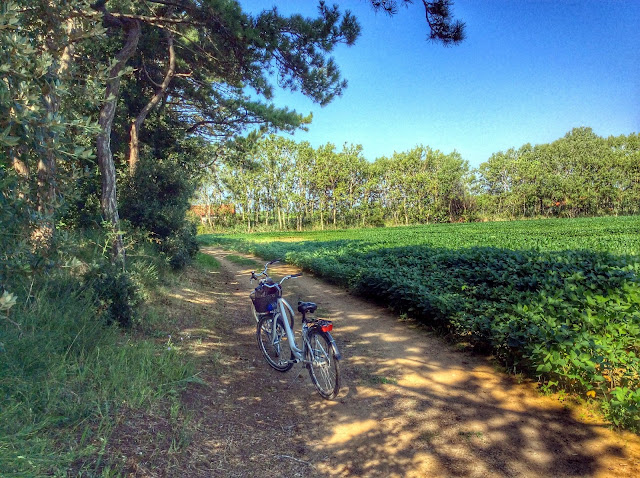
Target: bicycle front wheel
(323, 365)
(273, 342)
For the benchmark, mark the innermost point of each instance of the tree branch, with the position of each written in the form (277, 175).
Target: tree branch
(134, 144)
(153, 20)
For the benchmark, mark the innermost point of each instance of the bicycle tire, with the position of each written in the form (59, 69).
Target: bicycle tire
(322, 364)
(274, 353)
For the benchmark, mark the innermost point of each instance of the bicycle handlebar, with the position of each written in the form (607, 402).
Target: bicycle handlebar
(290, 276)
(264, 273)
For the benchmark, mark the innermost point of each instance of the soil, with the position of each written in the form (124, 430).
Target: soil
(411, 405)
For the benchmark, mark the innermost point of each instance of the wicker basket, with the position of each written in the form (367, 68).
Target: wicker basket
(265, 299)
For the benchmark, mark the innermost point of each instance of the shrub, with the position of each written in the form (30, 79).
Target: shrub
(156, 200)
(116, 293)
(181, 247)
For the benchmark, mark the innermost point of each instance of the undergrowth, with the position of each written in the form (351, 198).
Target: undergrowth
(67, 364)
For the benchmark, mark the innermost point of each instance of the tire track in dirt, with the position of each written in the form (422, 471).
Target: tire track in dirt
(410, 406)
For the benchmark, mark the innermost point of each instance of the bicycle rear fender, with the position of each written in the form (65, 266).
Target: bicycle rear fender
(334, 346)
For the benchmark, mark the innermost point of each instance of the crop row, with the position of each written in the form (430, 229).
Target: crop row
(617, 235)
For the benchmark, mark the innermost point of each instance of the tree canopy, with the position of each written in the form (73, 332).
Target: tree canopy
(288, 185)
(162, 80)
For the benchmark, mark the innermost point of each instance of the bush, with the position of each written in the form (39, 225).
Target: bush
(180, 248)
(116, 293)
(156, 200)
(81, 207)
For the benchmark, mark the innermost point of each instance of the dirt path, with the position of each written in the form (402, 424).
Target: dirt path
(410, 406)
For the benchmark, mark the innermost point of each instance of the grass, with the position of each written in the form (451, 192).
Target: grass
(207, 261)
(241, 261)
(65, 374)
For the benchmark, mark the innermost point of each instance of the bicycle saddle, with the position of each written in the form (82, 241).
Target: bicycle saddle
(307, 307)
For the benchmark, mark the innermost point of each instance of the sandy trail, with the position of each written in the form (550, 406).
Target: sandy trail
(410, 405)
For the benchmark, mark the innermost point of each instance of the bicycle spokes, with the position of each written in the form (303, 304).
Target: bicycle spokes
(322, 365)
(273, 343)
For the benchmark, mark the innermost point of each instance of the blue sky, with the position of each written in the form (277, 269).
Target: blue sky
(528, 72)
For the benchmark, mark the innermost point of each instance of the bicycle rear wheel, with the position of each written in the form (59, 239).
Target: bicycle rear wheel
(274, 344)
(323, 365)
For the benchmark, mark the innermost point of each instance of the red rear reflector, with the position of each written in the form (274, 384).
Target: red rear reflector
(326, 328)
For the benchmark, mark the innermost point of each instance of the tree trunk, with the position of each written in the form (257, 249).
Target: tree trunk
(134, 142)
(108, 199)
(404, 208)
(18, 165)
(47, 163)
(335, 208)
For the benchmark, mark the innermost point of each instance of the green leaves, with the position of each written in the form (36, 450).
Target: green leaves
(7, 301)
(7, 140)
(580, 174)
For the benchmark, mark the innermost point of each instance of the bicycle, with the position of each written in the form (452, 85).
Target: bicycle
(276, 340)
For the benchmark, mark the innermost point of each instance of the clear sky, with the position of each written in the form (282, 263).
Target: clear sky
(528, 72)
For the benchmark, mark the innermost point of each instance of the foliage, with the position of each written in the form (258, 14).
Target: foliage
(181, 247)
(116, 293)
(439, 16)
(155, 200)
(581, 174)
(280, 184)
(559, 300)
(36, 138)
(295, 185)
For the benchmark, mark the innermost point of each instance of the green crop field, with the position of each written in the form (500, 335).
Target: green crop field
(556, 299)
(609, 234)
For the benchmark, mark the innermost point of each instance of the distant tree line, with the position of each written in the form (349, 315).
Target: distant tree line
(281, 184)
(581, 174)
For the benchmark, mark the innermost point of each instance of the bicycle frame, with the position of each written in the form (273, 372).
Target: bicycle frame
(318, 350)
(298, 352)
(283, 305)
